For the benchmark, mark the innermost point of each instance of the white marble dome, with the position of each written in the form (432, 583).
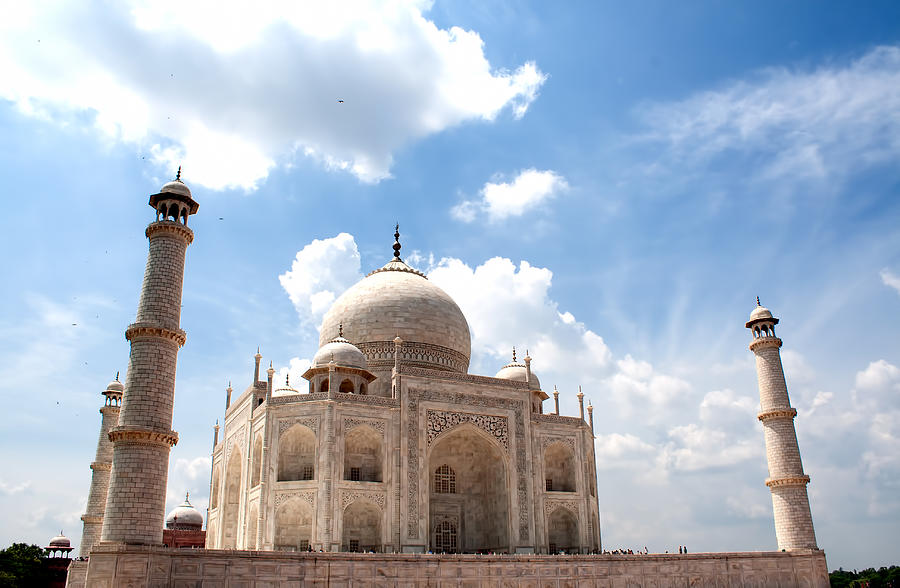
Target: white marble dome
(176, 187)
(116, 386)
(184, 516)
(517, 372)
(760, 312)
(343, 352)
(397, 300)
(60, 542)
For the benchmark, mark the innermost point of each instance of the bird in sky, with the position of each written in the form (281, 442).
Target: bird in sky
(340, 101)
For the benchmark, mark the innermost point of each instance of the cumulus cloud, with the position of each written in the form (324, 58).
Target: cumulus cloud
(189, 475)
(889, 279)
(819, 125)
(500, 200)
(320, 272)
(296, 367)
(637, 387)
(693, 447)
(232, 90)
(7, 489)
(615, 448)
(508, 305)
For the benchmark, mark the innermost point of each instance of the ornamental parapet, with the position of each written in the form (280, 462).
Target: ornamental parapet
(140, 436)
(790, 481)
(406, 370)
(777, 413)
(135, 330)
(99, 465)
(763, 342)
(172, 228)
(555, 418)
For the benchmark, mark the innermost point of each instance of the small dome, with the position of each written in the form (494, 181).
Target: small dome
(176, 187)
(517, 371)
(760, 312)
(116, 386)
(184, 516)
(285, 390)
(60, 542)
(343, 352)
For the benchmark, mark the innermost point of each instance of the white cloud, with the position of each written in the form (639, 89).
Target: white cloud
(508, 305)
(616, 447)
(500, 200)
(692, 448)
(189, 475)
(879, 375)
(320, 272)
(13, 489)
(232, 90)
(637, 388)
(720, 405)
(889, 279)
(296, 368)
(819, 125)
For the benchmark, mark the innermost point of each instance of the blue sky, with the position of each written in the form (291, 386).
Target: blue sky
(607, 184)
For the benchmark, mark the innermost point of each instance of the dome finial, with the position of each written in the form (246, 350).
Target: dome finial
(287, 380)
(178, 175)
(514, 354)
(117, 376)
(341, 330)
(757, 301)
(397, 241)
(186, 496)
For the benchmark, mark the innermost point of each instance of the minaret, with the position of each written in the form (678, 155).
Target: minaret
(96, 504)
(135, 507)
(793, 521)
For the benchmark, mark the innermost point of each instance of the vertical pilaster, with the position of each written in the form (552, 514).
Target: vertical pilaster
(135, 505)
(787, 481)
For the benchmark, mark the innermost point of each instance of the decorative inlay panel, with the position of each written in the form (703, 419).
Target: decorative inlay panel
(376, 424)
(348, 497)
(570, 505)
(282, 497)
(548, 440)
(238, 438)
(310, 422)
(439, 421)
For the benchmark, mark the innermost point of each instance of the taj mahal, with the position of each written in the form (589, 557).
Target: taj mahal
(390, 464)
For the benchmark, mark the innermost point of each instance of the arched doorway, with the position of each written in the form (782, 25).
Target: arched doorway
(232, 499)
(562, 531)
(361, 527)
(469, 493)
(293, 525)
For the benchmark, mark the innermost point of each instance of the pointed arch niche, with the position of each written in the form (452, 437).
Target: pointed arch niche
(363, 455)
(232, 499)
(559, 468)
(297, 454)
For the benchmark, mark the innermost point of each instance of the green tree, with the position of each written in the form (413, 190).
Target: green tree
(869, 578)
(23, 565)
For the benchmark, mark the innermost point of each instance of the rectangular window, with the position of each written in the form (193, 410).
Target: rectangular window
(304, 545)
(354, 474)
(549, 484)
(553, 549)
(307, 472)
(354, 545)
